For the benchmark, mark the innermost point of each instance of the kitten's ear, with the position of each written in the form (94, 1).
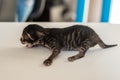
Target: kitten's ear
(40, 33)
(30, 36)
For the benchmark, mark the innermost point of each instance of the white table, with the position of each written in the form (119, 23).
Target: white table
(20, 63)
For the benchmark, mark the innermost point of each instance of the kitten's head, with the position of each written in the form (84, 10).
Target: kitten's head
(31, 34)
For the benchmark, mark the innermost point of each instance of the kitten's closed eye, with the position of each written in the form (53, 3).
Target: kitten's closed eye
(30, 37)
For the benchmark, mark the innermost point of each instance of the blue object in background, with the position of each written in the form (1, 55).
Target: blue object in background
(80, 10)
(105, 10)
(24, 8)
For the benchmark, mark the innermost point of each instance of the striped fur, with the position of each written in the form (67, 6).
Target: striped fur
(76, 37)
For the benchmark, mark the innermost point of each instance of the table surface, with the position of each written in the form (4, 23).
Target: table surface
(20, 63)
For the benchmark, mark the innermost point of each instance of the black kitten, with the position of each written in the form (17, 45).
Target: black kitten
(76, 37)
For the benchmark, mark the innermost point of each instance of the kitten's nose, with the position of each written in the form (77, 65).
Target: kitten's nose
(22, 41)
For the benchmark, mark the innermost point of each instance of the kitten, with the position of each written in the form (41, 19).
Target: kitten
(76, 37)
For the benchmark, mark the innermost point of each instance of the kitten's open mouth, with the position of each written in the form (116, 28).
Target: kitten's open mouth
(29, 45)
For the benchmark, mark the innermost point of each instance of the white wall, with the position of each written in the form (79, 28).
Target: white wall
(115, 12)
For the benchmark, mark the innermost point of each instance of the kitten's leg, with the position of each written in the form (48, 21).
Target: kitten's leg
(48, 61)
(83, 48)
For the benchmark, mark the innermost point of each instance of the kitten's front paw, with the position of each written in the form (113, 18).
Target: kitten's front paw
(47, 62)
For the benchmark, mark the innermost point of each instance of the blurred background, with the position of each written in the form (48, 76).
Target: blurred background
(59, 11)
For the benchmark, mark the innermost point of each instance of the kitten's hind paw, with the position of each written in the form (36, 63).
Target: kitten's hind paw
(71, 59)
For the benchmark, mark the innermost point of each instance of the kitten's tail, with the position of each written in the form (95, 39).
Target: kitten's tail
(103, 45)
